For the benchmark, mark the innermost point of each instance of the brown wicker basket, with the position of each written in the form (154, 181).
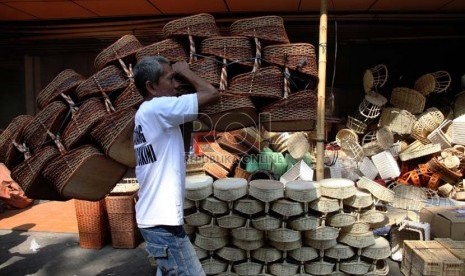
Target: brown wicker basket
(168, 48)
(446, 174)
(65, 82)
(266, 82)
(13, 134)
(233, 48)
(84, 173)
(408, 99)
(114, 136)
(105, 81)
(124, 48)
(130, 97)
(231, 112)
(207, 68)
(267, 28)
(50, 119)
(82, 121)
(28, 175)
(92, 223)
(215, 170)
(296, 113)
(122, 220)
(199, 25)
(300, 57)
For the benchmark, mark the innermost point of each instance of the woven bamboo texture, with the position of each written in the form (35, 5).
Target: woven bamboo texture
(130, 97)
(266, 82)
(408, 99)
(427, 122)
(105, 81)
(92, 223)
(232, 48)
(65, 82)
(168, 48)
(122, 220)
(82, 121)
(48, 119)
(199, 25)
(124, 48)
(267, 28)
(300, 57)
(207, 68)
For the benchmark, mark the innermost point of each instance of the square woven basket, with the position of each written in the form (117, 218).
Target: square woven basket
(92, 223)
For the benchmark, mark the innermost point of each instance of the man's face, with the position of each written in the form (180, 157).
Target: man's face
(167, 85)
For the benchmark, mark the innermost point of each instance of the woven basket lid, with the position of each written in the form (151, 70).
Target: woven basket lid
(248, 245)
(325, 205)
(340, 251)
(377, 190)
(359, 227)
(320, 244)
(249, 206)
(212, 266)
(199, 187)
(266, 223)
(198, 218)
(248, 268)
(339, 188)
(229, 189)
(267, 254)
(298, 145)
(287, 208)
(319, 268)
(304, 254)
(357, 240)
(304, 223)
(214, 206)
(283, 268)
(266, 190)
(302, 191)
(210, 244)
(322, 233)
(361, 199)
(231, 254)
(355, 267)
(231, 221)
(342, 220)
(380, 250)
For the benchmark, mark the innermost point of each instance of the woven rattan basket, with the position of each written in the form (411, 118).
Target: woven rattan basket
(198, 218)
(375, 77)
(105, 81)
(248, 245)
(130, 97)
(339, 188)
(215, 170)
(302, 191)
(435, 82)
(65, 82)
(287, 208)
(199, 187)
(380, 250)
(357, 240)
(340, 251)
(374, 217)
(408, 99)
(304, 254)
(355, 267)
(208, 69)
(92, 223)
(295, 113)
(199, 25)
(356, 125)
(210, 244)
(212, 230)
(231, 221)
(322, 233)
(248, 268)
(10, 141)
(249, 206)
(231, 254)
(266, 28)
(325, 205)
(359, 227)
(50, 119)
(214, 206)
(247, 233)
(427, 122)
(416, 149)
(266, 223)
(368, 168)
(361, 199)
(283, 268)
(213, 267)
(445, 173)
(267, 254)
(341, 220)
(397, 120)
(232, 48)
(345, 136)
(298, 145)
(285, 246)
(377, 190)
(230, 189)
(84, 173)
(320, 244)
(319, 268)
(229, 142)
(168, 48)
(304, 223)
(371, 105)
(266, 190)
(28, 175)
(124, 48)
(122, 220)
(266, 83)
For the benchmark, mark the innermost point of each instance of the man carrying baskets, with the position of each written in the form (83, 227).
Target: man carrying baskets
(160, 170)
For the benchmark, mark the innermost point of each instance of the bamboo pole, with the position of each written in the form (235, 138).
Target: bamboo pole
(320, 123)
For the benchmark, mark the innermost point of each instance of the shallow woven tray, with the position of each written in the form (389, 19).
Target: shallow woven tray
(168, 48)
(267, 28)
(199, 25)
(124, 49)
(65, 82)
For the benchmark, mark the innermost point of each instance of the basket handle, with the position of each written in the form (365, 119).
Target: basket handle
(58, 143)
(192, 56)
(224, 76)
(108, 105)
(258, 55)
(70, 102)
(23, 149)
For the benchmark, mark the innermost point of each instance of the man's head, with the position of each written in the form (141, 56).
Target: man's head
(154, 77)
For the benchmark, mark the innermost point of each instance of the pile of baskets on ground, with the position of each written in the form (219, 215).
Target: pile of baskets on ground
(264, 227)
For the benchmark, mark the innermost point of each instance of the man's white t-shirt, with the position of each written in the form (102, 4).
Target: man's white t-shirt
(160, 169)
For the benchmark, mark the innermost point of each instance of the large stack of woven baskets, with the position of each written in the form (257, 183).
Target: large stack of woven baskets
(264, 227)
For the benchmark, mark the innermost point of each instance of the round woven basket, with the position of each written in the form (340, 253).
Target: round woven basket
(168, 48)
(210, 244)
(188, 204)
(248, 268)
(105, 81)
(375, 77)
(249, 206)
(374, 217)
(266, 28)
(247, 233)
(65, 82)
(231, 112)
(345, 136)
(357, 240)
(397, 120)
(286, 246)
(340, 252)
(266, 190)
(325, 205)
(377, 190)
(342, 220)
(408, 99)
(427, 122)
(231, 221)
(231, 254)
(283, 235)
(435, 82)
(82, 121)
(130, 97)
(319, 268)
(294, 113)
(27, 175)
(212, 231)
(304, 223)
(267, 254)
(84, 173)
(208, 69)
(381, 269)
(446, 174)
(304, 254)
(198, 218)
(199, 187)
(213, 266)
(355, 267)
(199, 25)
(284, 268)
(322, 233)
(356, 125)
(339, 188)
(320, 244)
(248, 245)
(266, 223)
(380, 250)
(359, 227)
(409, 197)
(265, 82)
(302, 191)
(298, 145)
(287, 208)
(233, 48)
(371, 105)
(50, 118)
(214, 206)
(124, 49)
(230, 189)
